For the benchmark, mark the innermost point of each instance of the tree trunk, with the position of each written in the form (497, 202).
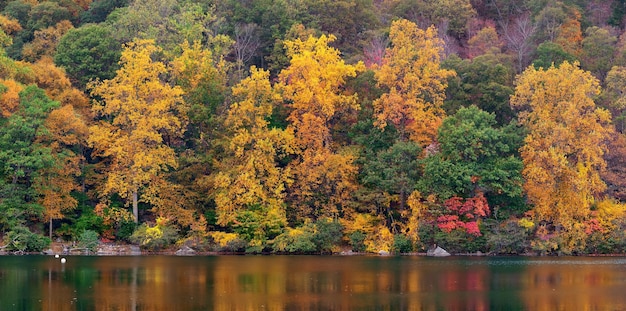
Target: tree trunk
(50, 228)
(135, 207)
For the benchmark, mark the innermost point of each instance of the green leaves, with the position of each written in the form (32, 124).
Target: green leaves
(473, 155)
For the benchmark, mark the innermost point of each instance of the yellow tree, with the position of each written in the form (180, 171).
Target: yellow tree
(563, 150)
(323, 178)
(414, 81)
(250, 175)
(140, 114)
(66, 129)
(45, 41)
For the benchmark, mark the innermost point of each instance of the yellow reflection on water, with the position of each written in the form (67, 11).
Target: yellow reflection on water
(310, 283)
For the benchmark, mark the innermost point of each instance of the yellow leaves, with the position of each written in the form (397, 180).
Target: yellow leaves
(252, 176)
(312, 87)
(323, 182)
(45, 41)
(563, 151)
(9, 97)
(197, 65)
(312, 84)
(142, 109)
(415, 82)
(222, 238)
(169, 201)
(67, 127)
(9, 25)
(417, 208)
(608, 212)
(50, 77)
(380, 240)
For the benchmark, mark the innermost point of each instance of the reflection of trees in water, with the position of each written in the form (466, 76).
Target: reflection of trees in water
(310, 282)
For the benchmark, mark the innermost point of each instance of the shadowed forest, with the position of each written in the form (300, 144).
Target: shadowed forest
(314, 126)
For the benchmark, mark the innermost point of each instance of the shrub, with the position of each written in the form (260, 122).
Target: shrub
(298, 240)
(157, 237)
(22, 239)
(89, 240)
(402, 244)
(327, 234)
(508, 237)
(357, 241)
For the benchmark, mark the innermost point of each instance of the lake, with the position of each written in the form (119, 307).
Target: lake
(312, 283)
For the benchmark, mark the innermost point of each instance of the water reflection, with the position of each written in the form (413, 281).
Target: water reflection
(311, 283)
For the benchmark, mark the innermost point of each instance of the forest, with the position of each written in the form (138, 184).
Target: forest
(314, 126)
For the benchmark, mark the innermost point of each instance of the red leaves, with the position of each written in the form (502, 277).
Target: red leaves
(463, 215)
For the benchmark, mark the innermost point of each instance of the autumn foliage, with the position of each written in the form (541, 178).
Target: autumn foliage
(464, 214)
(256, 125)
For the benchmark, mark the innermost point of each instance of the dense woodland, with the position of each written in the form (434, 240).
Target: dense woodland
(308, 126)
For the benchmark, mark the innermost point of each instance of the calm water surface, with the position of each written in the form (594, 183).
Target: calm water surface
(311, 283)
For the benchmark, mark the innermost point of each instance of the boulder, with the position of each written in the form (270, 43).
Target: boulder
(186, 251)
(437, 252)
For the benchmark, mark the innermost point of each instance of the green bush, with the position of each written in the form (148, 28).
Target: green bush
(320, 236)
(236, 245)
(402, 244)
(22, 239)
(89, 240)
(506, 237)
(88, 220)
(298, 240)
(124, 230)
(328, 233)
(357, 241)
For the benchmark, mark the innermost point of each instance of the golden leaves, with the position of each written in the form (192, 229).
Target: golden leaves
(45, 41)
(141, 109)
(9, 97)
(563, 151)
(251, 176)
(415, 82)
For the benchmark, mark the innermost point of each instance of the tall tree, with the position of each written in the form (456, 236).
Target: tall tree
(415, 82)
(141, 115)
(323, 178)
(563, 150)
(23, 157)
(67, 132)
(251, 175)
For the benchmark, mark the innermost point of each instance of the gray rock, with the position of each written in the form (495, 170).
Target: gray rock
(383, 253)
(135, 250)
(437, 252)
(186, 251)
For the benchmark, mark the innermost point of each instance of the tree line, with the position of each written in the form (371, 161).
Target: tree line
(314, 126)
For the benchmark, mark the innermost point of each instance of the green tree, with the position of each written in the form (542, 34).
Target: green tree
(474, 156)
(88, 53)
(394, 171)
(598, 51)
(23, 157)
(550, 53)
(485, 81)
(99, 10)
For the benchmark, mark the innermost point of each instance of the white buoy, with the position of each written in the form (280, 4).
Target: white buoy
(56, 256)
(63, 260)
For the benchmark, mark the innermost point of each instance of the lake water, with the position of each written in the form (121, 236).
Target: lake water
(311, 283)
